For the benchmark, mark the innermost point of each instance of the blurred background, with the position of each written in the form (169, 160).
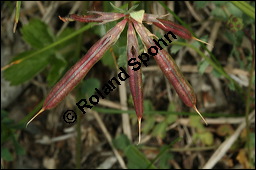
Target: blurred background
(173, 136)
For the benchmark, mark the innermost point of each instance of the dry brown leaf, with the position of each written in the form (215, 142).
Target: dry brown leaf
(242, 159)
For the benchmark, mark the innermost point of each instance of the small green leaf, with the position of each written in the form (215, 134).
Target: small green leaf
(36, 34)
(136, 160)
(18, 148)
(171, 107)
(234, 10)
(58, 66)
(133, 7)
(160, 130)
(89, 85)
(6, 155)
(138, 15)
(27, 69)
(108, 60)
(148, 124)
(216, 73)
(206, 138)
(122, 59)
(117, 9)
(202, 66)
(195, 121)
(175, 48)
(231, 86)
(171, 119)
(121, 142)
(219, 13)
(163, 162)
(148, 106)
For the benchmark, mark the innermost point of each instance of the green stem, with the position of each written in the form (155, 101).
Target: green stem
(22, 122)
(79, 114)
(88, 26)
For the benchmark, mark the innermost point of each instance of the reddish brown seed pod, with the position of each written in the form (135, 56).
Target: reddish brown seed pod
(173, 27)
(81, 68)
(135, 80)
(170, 69)
(96, 16)
(176, 29)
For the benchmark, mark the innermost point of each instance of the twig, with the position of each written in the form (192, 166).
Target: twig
(41, 7)
(49, 12)
(194, 69)
(213, 36)
(224, 147)
(230, 120)
(46, 140)
(193, 12)
(125, 116)
(108, 137)
(110, 104)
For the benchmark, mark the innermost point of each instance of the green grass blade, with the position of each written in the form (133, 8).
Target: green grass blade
(17, 15)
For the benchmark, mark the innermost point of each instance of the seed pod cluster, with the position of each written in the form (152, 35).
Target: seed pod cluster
(170, 69)
(163, 59)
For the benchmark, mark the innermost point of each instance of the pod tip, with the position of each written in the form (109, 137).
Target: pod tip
(201, 41)
(194, 107)
(139, 125)
(40, 111)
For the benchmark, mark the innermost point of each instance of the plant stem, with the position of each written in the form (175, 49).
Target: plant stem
(79, 114)
(88, 26)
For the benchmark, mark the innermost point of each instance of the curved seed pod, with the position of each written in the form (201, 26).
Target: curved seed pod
(96, 16)
(176, 29)
(170, 69)
(135, 80)
(81, 68)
